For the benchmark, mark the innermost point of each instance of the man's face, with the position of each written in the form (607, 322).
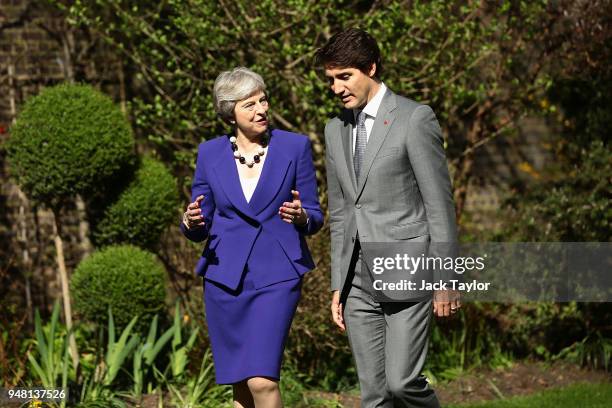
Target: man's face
(352, 86)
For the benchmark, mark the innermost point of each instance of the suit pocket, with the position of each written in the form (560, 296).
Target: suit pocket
(210, 251)
(389, 151)
(412, 230)
(209, 255)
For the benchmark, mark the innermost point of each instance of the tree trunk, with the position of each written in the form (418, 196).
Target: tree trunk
(122, 91)
(85, 243)
(461, 183)
(465, 166)
(68, 67)
(26, 261)
(63, 275)
(68, 49)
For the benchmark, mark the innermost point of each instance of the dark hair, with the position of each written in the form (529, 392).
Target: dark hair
(351, 48)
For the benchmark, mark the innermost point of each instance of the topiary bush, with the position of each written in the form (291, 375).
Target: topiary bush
(129, 280)
(143, 210)
(67, 140)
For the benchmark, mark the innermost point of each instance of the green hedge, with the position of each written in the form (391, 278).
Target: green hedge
(68, 140)
(143, 210)
(128, 279)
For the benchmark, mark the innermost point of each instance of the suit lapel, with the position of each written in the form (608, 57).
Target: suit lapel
(346, 134)
(271, 178)
(227, 174)
(382, 124)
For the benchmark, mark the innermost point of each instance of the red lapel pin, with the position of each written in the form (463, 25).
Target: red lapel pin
(386, 122)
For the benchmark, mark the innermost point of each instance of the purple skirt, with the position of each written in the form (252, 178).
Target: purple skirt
(248, 327)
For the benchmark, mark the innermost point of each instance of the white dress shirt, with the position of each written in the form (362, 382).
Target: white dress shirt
(371, 109)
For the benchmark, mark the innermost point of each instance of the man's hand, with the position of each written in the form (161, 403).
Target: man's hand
(336, 310)
(446, 302)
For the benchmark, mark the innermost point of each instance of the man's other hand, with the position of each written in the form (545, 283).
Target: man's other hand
(336, 310)
(446, 302)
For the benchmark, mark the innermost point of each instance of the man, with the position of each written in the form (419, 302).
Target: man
(387, 182)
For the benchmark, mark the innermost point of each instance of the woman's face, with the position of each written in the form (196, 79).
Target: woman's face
(251, 114)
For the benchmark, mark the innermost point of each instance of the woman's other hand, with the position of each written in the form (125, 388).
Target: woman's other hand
(193, 218)
(292, 212)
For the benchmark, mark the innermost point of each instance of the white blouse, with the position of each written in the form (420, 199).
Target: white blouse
(249, 184)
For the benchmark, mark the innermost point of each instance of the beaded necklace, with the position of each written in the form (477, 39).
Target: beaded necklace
(256, 158)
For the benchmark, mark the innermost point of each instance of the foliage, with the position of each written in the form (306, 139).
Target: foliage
(200, 390)
(146, 354)
(143, 210)
(67, 140)
(98, 388)
(315, 347)
(294, 390)
(594, 350)
(117, 351)
(574, 207)
(126, 279)
(187, 388)
(494, 335)
(471, 339)
(13, 360)
(569, 200)
(481, 66)
(178, 357)
(52, 367)
(106, 383)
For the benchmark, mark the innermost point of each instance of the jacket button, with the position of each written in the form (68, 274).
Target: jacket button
(358, 206)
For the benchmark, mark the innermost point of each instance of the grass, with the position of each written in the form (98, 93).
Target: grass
(578, 395)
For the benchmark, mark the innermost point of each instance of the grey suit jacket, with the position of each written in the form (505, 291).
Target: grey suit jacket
(405, 191)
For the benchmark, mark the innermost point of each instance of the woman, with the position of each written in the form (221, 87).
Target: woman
(254, 197)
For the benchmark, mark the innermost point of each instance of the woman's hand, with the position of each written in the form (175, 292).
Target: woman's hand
(292, 212)
(193, 218)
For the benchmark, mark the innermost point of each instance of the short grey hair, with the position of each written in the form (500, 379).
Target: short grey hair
(233, 86)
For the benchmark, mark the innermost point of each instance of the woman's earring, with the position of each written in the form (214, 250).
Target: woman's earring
(233, 122)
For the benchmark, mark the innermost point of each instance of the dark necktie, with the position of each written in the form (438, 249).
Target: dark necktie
(361, 139)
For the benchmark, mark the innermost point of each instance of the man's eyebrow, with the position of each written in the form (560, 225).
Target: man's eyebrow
(334, 75)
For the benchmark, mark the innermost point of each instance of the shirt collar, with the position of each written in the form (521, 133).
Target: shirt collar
(371, 109)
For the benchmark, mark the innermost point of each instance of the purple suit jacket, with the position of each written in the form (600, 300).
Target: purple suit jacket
(251, 234)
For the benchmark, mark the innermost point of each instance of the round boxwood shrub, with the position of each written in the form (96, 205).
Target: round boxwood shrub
(67, 140)
(129, 280)
(143, 210)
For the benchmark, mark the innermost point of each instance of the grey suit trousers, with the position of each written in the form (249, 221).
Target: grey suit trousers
(389, 344)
